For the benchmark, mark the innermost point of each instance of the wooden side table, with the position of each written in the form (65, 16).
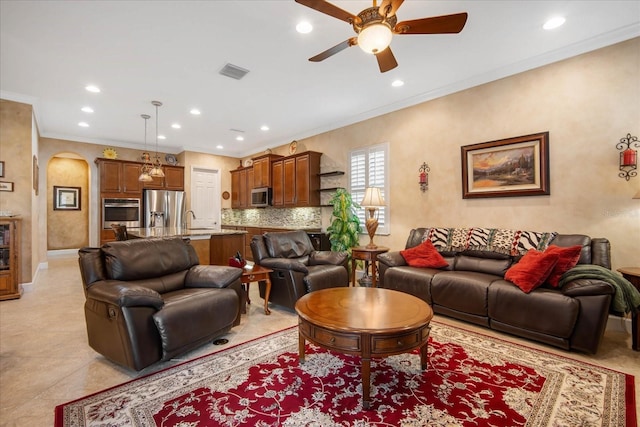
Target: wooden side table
(632, 274)
(258, 274)
(368, 255)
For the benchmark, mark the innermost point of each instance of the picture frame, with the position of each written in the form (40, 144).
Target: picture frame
(1, 169)
(511, 167)
(66, 198)
(6, 186)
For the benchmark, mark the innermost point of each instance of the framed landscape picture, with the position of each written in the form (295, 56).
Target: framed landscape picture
(66, 198)
(506, 168)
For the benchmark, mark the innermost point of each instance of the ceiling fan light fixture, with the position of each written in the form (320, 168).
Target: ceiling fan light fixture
(375, 38)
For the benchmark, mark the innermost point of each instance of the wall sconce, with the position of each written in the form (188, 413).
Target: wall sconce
(424, 177)
(628, 157)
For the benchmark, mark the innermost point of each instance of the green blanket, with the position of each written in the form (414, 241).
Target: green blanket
(627, 297)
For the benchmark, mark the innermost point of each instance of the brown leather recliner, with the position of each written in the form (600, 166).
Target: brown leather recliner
(297, 267)
(148, 300)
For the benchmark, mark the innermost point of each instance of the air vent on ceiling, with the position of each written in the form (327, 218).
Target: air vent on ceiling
(233, 71)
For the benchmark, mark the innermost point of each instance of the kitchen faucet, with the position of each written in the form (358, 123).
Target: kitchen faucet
(184, 217)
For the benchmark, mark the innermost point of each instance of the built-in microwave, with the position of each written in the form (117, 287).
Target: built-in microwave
(121, 211)
(260, 197)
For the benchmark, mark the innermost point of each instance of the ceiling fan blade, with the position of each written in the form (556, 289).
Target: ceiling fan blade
(329, 9)
(446, 24)
(395, 5)
(386, 60)
(332, 51)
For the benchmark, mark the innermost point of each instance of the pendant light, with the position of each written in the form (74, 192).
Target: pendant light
(156, 170)
(146, 166)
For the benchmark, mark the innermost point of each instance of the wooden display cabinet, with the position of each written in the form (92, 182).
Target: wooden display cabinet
(10, 258)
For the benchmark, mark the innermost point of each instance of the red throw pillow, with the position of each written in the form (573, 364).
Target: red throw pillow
(424, 255)
(568, 258)
(532, 270)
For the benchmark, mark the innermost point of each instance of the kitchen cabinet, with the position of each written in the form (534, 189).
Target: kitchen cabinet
(277, 182)
(251, 231)
(224, 246)
(262, 170)
(250, 186)
(10, 258)
(173, 179)
(300, 180)
(239, 196)
(119, 178)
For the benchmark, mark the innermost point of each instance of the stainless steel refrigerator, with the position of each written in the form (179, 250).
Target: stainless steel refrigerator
(163, 205)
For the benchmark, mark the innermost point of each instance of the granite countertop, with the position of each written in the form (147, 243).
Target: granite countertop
(194, 233)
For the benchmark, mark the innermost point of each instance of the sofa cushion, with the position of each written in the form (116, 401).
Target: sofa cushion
(483, 262)
(567, 259)
(130, 259)
(532, 270)
(424, 255)
(288, 244)
(412, 280)
(464, 291)
(546, 311)
(194, 315)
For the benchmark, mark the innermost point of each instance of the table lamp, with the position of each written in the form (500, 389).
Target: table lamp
(371, 201)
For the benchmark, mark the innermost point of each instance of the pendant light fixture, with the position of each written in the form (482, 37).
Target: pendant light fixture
(146, 166)
(156, 171)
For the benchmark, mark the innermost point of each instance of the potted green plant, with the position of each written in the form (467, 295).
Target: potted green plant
(345, 225)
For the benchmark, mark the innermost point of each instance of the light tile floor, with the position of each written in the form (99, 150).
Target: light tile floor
(45, 359)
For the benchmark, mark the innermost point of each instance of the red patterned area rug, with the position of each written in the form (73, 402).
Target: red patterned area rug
(471, 380)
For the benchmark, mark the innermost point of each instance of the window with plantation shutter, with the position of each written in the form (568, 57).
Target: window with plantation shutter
(368, 168)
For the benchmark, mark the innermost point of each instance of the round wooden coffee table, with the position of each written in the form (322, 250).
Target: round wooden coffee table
(369, 322)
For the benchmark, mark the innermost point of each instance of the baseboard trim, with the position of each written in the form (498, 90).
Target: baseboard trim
(62, 253)
(619, 324)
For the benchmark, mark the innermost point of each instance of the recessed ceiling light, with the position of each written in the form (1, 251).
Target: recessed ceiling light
(304, 27)
(195, 112)
(92, 88)
(264, 128)
(162, 137)
(239, 138)
(397, 83)
(554, 22)
(87, 109)
(176, 126)
(219, 147)
(83, 124)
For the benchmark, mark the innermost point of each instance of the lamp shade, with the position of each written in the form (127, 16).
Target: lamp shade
(637, 196)
(372, 197)
(375, 38)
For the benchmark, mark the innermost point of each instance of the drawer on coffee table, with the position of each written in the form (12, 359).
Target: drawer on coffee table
(330, 339)
(400, 343)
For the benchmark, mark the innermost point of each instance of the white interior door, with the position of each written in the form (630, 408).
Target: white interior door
(205, 198)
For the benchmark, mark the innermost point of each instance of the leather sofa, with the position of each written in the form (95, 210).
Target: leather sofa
(473, 289)
(297, 267)
(148, 300)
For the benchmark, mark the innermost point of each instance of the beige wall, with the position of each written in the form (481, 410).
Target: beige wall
(587, 104)
(67, 229)
(15, 152)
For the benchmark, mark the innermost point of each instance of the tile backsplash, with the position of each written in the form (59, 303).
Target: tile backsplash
(272, 217)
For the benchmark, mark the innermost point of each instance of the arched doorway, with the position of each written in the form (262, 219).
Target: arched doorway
(67, 202)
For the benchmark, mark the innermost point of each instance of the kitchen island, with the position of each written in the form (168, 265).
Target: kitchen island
(213, 246)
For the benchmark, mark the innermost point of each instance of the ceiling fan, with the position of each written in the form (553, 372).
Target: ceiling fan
(376, 26)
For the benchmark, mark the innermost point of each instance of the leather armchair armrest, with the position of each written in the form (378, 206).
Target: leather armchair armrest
(284, 264)
(391, 259)
(587, 287)
(125, 294)
(328, 257)
(211, 276)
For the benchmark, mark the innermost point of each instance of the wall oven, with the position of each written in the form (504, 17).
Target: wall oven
(121, 211)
